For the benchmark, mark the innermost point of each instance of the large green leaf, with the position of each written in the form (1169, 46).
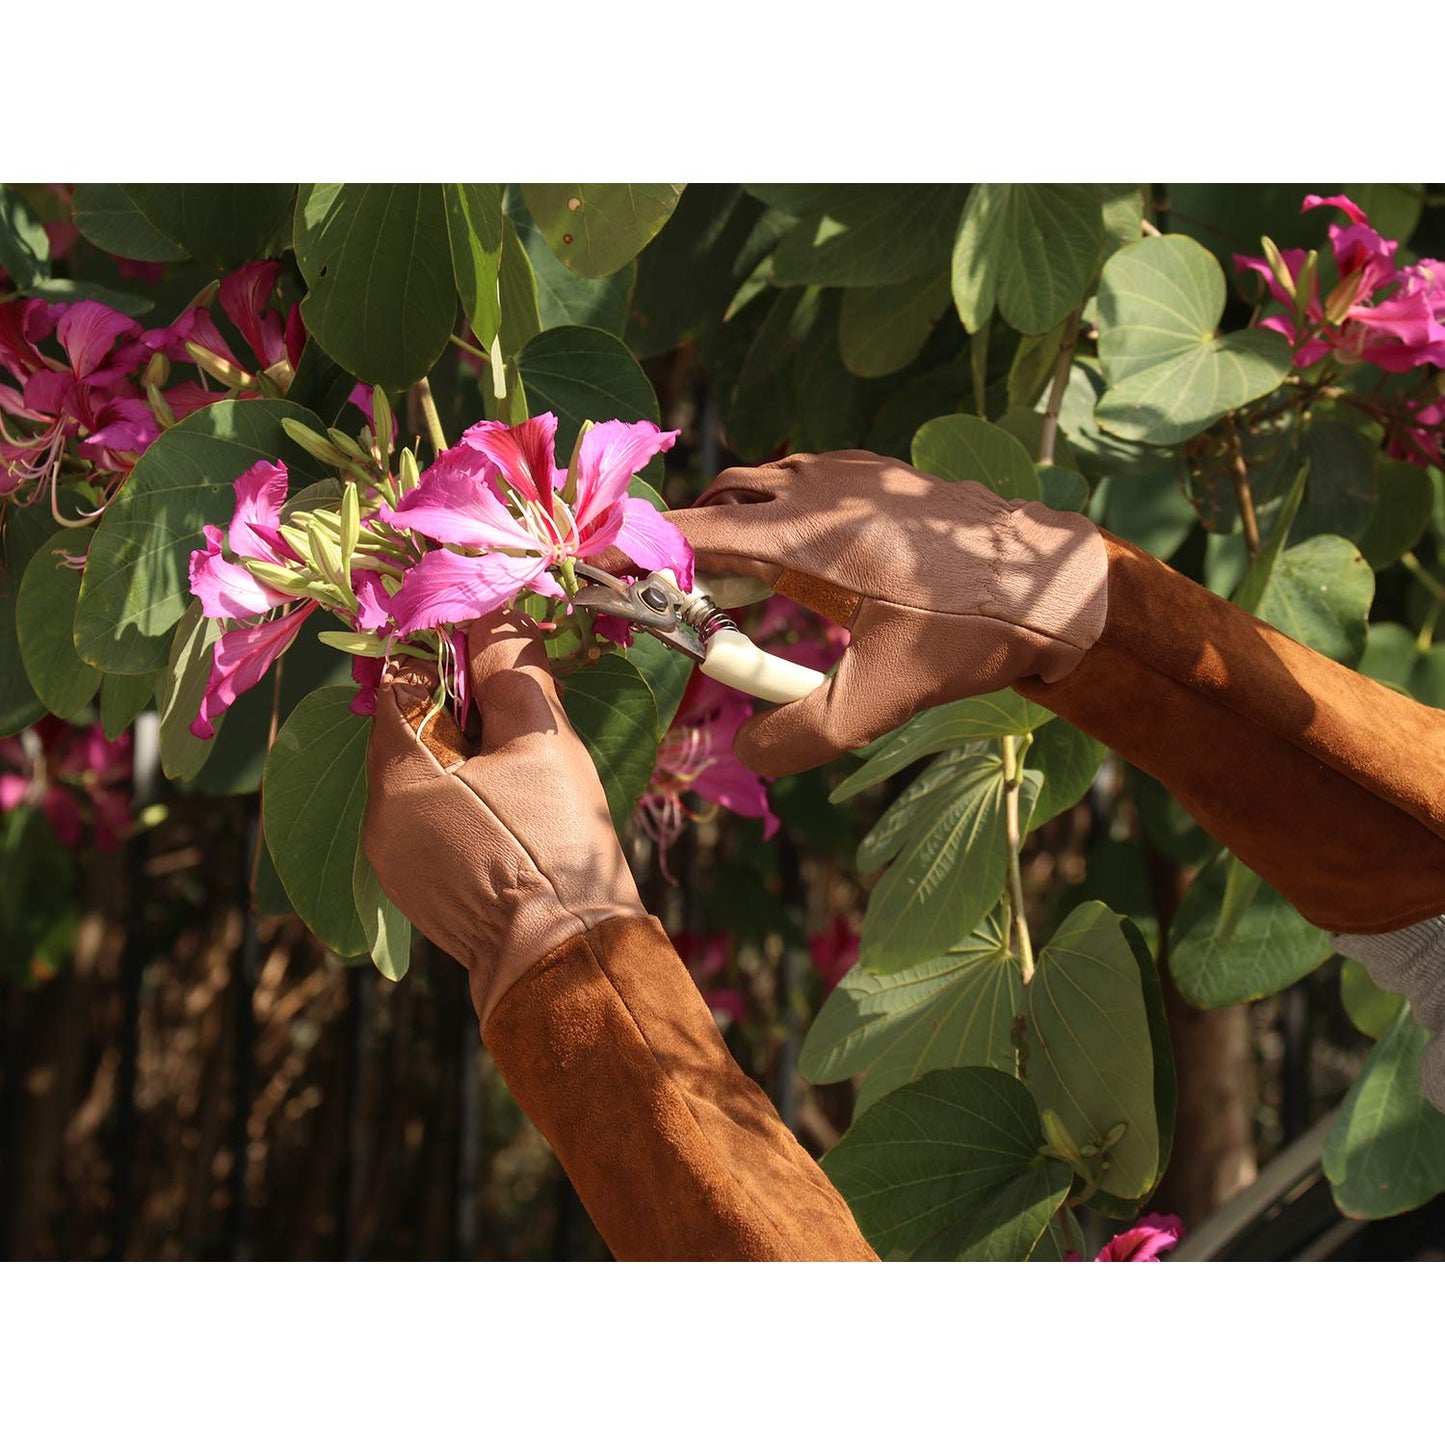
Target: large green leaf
(1234, 938)
(1090, 1054)
(615, 714)
(948, 848)
(949, 1168)
(1149, 510)
(1370, 1008)
(1068, 760)
(221, 224)
(1401, 514)
(136, 585)
(387, 928)
(474, 226)
(991, 715)
(517, 286)
(312, 803)
(124, 697)
(44, 621)
(1170, 373)
(1100, 453)
(1340, 497)
(968, 449)
(24, 245)
(1386, 1152)
(377, 260)
(595, 230)
(883, 328)
(584, 374)
(181, 690)
(871, 236)
(26, 529)
(1034, 249)
(954, 1010)
(108, 217)
(1319, 593)
(563, 297)
(1393, 656)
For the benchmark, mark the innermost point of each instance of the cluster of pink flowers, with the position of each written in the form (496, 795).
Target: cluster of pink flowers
(74, 775)
(86, 376)
(402, 559)
(1379, 313)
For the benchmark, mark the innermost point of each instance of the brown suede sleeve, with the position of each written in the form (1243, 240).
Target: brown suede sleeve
(1328, 785)
(674, 1151)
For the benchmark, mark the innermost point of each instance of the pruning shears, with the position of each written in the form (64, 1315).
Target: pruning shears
(693, 624)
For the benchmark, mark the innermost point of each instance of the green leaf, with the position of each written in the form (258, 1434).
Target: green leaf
(1386, 1152)
(948, 1168)
(182, 687)
(312, 803)
(1149, 510)
(953, 1010)
(1097, 452)
(883, 328)
(1260, 568)
(108, 217)
(1027, 428)
(387, 928)
(1340, 498)
(615, 714)
(24, 246)
(123, 698)
(937, 729)
(595, 230)
(565, 298)
(222, 225)
(1220, 956)
(1392, 656)
(947, 868)
(1319, 593)
(1090, 1054)
(872, 236)
(1370, 1008)
(377, 261)
(1068, 760)
(1401, 514)
(714, 242)
(583, 374)
(26, 530)
(1123, 213)
(474, 228)
(1170, 374)
(1062, 489)
(62, 291)
(136, 585)
(44, 621)
(1033, 366)
(37, 890)
(805, 200)
(966, 448)
(1033, 248)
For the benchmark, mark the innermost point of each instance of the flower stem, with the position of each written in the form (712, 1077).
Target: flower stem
(429, 410)
(1416, 568)
(1242, 494)
(470, 349)
(1013, 774)
(1050, 432)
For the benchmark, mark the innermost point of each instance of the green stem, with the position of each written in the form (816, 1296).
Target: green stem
(1050, 430)
(1427, 630)
(429, 412)
(1415, 567)
(1013, 778)
(472, 350)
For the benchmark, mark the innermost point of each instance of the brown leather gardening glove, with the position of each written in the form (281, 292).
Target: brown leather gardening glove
(499, 854)
(947, 589)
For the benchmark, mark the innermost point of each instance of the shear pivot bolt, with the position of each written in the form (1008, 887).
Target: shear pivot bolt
(654, 598)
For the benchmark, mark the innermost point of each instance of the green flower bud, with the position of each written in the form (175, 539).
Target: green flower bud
(408, 474)
(358, 644)
(1277, 266)
(299, 541)
(1058, 1137)
(346, 444)
(381, 428)
(283, 579)
(350, 525)
(226, 372)
(569, 491)
(158, 370)
(313, 443)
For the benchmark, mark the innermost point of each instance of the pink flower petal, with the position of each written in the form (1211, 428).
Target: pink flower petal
(447, 587)
(1343, 203)
(366, 673)
(88, 332)
(13, 789)
(260, 495)
(226, 589)
(374, 612)
(652, 541)
(242, 657)
(1152, 1236)
(245, 297)
(453, 503)
(525, 455)
(62, 812)
(612, 453)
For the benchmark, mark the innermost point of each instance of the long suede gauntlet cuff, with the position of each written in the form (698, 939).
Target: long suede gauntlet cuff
(1328, 785)
(674, 1151)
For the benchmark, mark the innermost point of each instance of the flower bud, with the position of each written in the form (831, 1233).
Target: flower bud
(313, 443)
(283, 579)
(160, 407)
(1344, 296)
(381, 428)
(350, 525)
(1058, 1136)
(224, 371)
(358, 644)
(408, 473)
(1306, 282)
(158, 370)
(569, 491)
(1278, 267)
(346, 444)
(298, 541)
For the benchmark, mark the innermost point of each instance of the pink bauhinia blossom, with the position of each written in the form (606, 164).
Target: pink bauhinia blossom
(1155, 1234)
(74, 776)
(501, 490)
(696, 761)
(242, 657)
(227, 589)
(834, 952)
(706, 955)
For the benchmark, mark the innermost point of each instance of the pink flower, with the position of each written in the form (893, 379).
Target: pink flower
(226, 588)
(242, 657)
(696, 759)
(834, 952)
(500, 489)
(1362, 320)
(1155, 1234)
(73, 775)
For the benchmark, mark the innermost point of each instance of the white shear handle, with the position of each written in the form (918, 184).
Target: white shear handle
(739, 662)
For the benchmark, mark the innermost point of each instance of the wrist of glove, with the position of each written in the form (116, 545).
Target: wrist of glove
(498, 853)
(947, 589)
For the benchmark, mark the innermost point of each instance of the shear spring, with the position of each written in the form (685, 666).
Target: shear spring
(705, 617)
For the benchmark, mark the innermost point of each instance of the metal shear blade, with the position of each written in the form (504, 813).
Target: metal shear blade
(652, 603)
